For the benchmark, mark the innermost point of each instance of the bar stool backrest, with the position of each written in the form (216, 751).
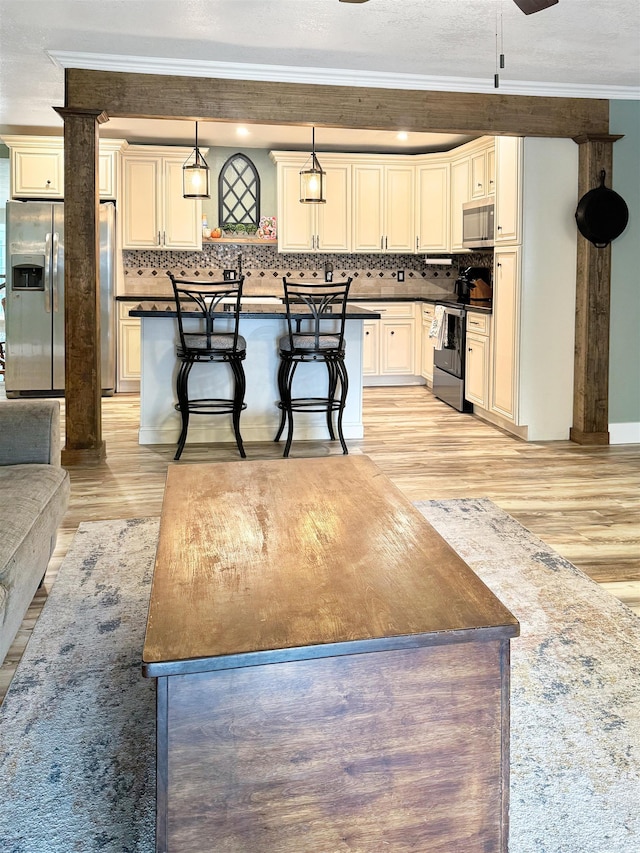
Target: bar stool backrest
(202, 300)
(326, 303)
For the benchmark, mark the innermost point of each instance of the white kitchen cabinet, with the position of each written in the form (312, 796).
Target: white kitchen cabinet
(508, 211)
(477, 359)
(504, 384)
(389, 344)
(37, 166)
(460, 194)
(483, 178)
(432, 204)
(428, 343)
(313, 228)
(127, 350)
(155, 214)
(371, 348)
(397, 347)
(383, 207)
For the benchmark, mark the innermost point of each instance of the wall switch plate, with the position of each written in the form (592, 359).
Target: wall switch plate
(400, 275)
(228, 275)
(328, 276)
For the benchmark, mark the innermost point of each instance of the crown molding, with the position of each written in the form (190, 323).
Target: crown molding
(331, 76)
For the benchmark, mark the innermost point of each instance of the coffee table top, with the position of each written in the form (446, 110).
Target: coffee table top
(289, 559)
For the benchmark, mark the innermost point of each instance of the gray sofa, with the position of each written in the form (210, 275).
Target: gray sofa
(34, 495)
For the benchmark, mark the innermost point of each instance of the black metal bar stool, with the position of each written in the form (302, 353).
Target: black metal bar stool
(318, 335)
(203, 341)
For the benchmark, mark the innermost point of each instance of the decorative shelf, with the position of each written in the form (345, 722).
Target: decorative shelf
(259, 241)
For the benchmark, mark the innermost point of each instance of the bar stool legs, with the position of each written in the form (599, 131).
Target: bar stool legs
(210, 406)
(336, 374)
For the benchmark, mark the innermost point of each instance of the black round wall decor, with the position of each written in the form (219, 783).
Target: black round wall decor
(601, 215)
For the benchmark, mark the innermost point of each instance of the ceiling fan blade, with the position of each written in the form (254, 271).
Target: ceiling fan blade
(354, 1)
(531, 6)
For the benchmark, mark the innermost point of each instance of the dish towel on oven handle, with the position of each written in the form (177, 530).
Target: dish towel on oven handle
(438, 327)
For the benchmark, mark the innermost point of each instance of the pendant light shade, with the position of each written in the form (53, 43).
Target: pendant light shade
(312, 179)
(195, 174)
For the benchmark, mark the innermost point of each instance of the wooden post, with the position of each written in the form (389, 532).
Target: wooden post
(593, 286)
(83, 417)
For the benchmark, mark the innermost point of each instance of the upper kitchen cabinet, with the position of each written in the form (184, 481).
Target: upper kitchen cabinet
(472, 176)
(37, 166)
(155, 214)
(313, 227)
(508, 213)
(483, 172)
(383, 205)
(433, 218)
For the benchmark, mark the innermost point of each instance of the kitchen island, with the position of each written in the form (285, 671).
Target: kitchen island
(261, 325)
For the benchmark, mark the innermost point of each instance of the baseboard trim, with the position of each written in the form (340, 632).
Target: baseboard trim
(624, 433)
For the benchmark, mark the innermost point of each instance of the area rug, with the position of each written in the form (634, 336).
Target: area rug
(77, 728)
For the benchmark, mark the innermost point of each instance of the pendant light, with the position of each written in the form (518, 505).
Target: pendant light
(195, 174)
(312, 179)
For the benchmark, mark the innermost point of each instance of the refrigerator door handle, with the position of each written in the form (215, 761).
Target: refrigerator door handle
(54, 278)
(47, 273)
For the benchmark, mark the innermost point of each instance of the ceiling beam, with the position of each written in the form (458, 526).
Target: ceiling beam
(263, 102)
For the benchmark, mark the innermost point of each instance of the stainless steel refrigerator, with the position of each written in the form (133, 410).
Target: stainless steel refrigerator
(34, 310)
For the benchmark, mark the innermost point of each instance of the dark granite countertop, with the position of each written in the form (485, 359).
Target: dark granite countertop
(255, 311)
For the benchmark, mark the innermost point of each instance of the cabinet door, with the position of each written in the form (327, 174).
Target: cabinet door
(107, 177)
(476, 387)
(333, 233)
(368, 189)
(460, 191)
(182, 217)
(396, 345)
(508, 190)
(504, 334)
(433, 218)
(370, 347)
(141, 187)
(128, 359)
(37, 173)
(399, 229)
(296, 221)
(491, 170)
(479, 175)
(428, 346)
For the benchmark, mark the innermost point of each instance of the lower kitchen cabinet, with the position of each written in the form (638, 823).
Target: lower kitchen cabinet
(389, 343)
(396, 347)
(428, 344)
(371, 348)
(128, 350)
(504, 383)
(476, 389)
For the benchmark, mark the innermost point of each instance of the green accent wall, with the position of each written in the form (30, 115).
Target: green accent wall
(624, 364)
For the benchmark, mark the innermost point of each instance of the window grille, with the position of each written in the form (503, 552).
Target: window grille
(239, 192)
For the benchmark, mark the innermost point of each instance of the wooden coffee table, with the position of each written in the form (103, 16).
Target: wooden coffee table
(331, 676)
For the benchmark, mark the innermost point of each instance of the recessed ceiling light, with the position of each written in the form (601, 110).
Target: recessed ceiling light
(403, 136)
(242, 131)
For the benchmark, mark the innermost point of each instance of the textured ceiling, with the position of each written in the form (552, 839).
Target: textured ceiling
(589, 46)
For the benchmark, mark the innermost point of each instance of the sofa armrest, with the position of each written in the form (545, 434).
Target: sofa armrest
(29, 432)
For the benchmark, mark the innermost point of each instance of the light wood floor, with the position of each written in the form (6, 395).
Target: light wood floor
(582, 501)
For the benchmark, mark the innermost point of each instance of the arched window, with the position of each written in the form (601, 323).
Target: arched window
(239, 192)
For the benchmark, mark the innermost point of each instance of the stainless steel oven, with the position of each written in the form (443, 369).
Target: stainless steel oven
(448, 360)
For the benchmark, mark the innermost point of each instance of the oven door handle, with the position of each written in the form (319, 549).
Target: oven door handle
(454, 312)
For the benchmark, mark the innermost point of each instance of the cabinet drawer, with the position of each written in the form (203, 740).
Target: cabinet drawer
(478, 323)
(403, 310)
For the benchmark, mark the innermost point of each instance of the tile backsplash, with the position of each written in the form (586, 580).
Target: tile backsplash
(263, 265)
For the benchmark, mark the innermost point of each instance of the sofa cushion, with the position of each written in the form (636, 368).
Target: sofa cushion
(33, 500)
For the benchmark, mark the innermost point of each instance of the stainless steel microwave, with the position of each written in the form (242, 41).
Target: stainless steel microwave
(478, 223)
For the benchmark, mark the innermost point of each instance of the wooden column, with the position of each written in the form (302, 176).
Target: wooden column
(83, 417)
(593, 286)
